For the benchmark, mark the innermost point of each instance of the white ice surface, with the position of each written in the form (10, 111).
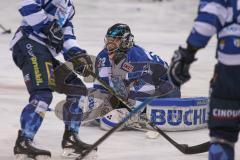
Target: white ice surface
(159, 27)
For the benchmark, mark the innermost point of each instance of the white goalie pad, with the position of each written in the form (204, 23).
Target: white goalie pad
(112, 118)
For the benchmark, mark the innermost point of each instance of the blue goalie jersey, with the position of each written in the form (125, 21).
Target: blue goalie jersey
(105, 69)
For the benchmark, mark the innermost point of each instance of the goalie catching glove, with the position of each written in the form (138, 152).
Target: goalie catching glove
(180, 63)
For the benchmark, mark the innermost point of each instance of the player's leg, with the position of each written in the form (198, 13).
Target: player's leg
(224, 112)
(72, 116)
(35, 62)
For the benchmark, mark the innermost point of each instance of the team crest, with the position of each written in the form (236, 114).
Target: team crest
(221, 44)
(236, 42)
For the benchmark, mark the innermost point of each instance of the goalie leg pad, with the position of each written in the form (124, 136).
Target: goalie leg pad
(112, 118)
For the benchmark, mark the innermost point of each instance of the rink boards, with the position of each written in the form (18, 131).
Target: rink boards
(177, 114)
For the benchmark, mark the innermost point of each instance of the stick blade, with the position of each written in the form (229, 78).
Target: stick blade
(201, 148)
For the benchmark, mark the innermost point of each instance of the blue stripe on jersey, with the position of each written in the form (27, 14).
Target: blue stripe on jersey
(39, 27)
(29, 9)
(221, 2)
(68, 24)
(97, 86)
(210, 19)
(197, 39)
(51, 9)
(67, 37)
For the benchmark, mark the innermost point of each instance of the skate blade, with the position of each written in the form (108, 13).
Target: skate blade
(42, 157)
(69, 153)
(20, 157)
(91, 156)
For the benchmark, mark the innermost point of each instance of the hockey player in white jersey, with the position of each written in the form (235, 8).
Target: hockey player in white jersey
(221, 17)
(47, 30)
(130, 70)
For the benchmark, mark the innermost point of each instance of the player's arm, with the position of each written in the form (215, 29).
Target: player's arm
(211, 18)
(71, 49)
(33, 14)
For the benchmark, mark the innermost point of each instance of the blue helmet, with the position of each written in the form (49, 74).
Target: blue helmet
(121, 32)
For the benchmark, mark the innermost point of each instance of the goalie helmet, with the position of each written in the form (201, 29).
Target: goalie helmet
(119, 38)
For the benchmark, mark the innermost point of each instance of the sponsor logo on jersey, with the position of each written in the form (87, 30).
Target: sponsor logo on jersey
(127, 67)
(91, 102)
(62, 12)
(226, 114)
(50, 73)
(38, 75)
(30, 49)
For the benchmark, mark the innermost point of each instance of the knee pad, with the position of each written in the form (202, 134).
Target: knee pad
(112, 118)
(41, 100)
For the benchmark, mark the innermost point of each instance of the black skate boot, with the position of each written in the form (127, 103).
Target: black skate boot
(24, 149)
(74, 147)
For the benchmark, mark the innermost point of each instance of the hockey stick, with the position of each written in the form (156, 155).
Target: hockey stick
(111, 131)
(184, 148)
(5, 31)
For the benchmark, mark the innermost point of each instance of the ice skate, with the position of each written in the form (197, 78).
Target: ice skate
(24, 149)
(73, 147)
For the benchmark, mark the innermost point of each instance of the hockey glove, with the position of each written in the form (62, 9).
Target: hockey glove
(54, 34)
(82, 63)
(179, 67)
